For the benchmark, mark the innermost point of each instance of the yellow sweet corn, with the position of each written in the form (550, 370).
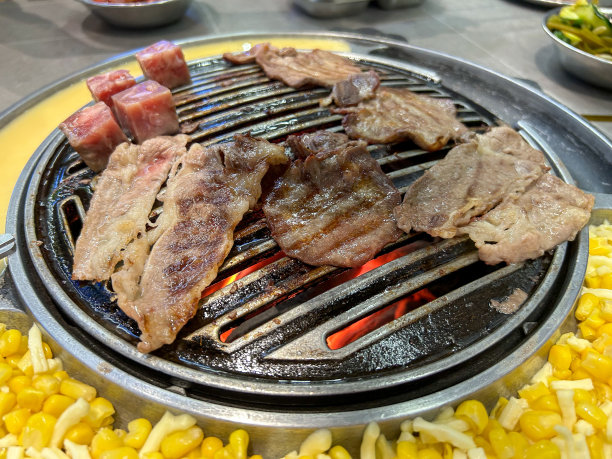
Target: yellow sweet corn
(31, 398)
(104, 440)
(597, 365)
(498, 438)
(10, 341)
(596, 446)
(77, 389)
(37, 431)
(210, 446)
(123, 452)
(599, 246)
(138, 431)
(539, 425)
(543, 449)
(587, 332)
(586, 305)
(178, 444)
(606, 281)
(429, 453)
(6, 372)
(592, 414)
(339, 452)
(547, 403)
(48, 384)
(56, 404)
(80, 433)
(99, 410)
(15, 420)
(17, 383)
(474, 413)
(7, 401)
(594, 320)
(560, 355)
(519, 443)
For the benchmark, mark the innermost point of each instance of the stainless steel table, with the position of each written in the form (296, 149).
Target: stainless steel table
(44, 40)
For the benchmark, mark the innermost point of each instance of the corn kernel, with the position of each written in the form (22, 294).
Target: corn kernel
(581, 395)
(138, 431)
(605, 328)
(499, 407)
(123, 452)
(47, 351)
(61, 375)
(587, 332)
(592, 281)
(596, 447)
(178, 444)
(16, 420)
(547, 403)
(80, 433)
(56, 404)
(560, 356)
(7, 401)
(592, 414)
(77, 389)
(239, 443)
(586, 305)
(18, 383)
(338, 452)
(13, 360)
(6, 372)
(474, 413)
(210, 446)
(193, 454)
(606, 281)
(539, 425)
(31, 398)
(594, 320)
(104, 440)
(543, 449)
(599, 366)
(580, 374)
(428, 453)
(605, 308)
(10, 341)
(99, 409)
(519, 443)
(154, 455)
(481, 442)
(599, 246)
(501, 444)
(48, 384)
(37, 431)
(603, 391)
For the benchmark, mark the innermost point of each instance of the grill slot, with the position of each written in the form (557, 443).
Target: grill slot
(275, 313)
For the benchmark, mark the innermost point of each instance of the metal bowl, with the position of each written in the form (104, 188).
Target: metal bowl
(140, 14)
(587, 67)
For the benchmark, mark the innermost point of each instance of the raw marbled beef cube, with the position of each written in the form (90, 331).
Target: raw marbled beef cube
(164, 62)
(103, 87)
(94, 134)
(146, 110)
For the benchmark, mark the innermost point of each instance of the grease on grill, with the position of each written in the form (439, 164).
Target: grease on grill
(274, 313)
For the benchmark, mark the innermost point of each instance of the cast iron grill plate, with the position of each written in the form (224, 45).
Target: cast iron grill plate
(283, 312)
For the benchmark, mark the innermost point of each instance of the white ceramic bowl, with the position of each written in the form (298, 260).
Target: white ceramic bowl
(587, 67)
(140, 14)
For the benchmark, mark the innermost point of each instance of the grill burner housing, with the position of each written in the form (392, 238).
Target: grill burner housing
(279, 372)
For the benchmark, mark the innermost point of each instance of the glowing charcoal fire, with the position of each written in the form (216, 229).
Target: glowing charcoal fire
(379, 318)
(376, 320)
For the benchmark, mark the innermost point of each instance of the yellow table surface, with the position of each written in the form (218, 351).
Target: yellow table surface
(18, 140)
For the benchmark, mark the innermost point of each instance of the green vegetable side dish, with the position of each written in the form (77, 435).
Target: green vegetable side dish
(582, 25)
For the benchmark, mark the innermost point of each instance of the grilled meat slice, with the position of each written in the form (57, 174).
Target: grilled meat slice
(312, 143)
(357, 87)
(470, 180)
(333, 208)
(296, 69)
(120, 207)
(204, 202)
(398, 114)
(548, 213)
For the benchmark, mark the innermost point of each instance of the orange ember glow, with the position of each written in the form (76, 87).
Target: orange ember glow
(239, 275)
(379, 318)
